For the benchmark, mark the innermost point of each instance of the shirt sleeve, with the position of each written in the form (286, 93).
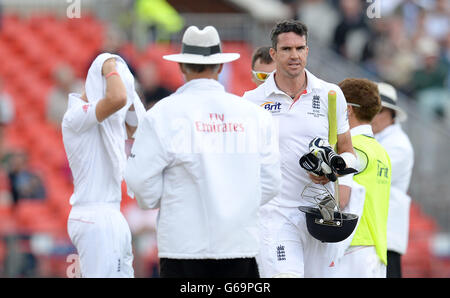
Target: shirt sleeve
(81, 117)
(145, 166)
(341, 111)
(270, 161)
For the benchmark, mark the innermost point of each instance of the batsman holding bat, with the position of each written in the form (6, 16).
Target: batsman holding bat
(298, 101)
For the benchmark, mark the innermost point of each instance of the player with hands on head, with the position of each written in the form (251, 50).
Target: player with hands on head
(94, 133)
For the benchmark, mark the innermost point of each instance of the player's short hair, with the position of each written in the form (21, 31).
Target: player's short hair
(263, 54)
(198, 68)
(364, 93)
(288, 26)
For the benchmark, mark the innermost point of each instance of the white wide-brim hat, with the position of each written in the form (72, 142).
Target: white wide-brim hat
(202, 47)
(388, 96)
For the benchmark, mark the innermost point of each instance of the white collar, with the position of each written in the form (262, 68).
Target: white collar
(365, 129)
(387, 130)
(270, 87)
(201, 84)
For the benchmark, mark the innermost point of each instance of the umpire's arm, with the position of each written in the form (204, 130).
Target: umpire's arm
(144, 170)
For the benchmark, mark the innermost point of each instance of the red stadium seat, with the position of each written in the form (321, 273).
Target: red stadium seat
(7, 220)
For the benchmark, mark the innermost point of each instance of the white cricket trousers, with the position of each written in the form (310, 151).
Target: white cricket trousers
(102, 237)
(358, 262)
(286, 247)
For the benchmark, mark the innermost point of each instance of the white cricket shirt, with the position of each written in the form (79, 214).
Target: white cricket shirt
(298, 123)
(91, 149)
(401, 153)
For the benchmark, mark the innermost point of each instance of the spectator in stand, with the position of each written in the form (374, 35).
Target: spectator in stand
(395, 58)
(437, 20)
(352, 32)
(25, 184)
(310, 11)
(113, 42)
(150, 85)
(412, 14)
(159, 19)
(428, 81)
(65, 83)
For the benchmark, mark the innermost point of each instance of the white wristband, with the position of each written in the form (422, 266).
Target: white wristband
(131, 118)
(346, 180)
(350, 159)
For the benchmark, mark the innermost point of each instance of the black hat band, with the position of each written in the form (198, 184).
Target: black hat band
(205, 51)
(388, 100)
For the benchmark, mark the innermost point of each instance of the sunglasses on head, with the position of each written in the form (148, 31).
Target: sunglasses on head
(261, 75)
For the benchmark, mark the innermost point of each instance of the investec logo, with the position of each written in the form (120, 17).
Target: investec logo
(274, 107)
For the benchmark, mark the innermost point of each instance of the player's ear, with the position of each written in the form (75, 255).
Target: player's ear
(220, 68)
(272, 53)
(182, 69)
(349, 110)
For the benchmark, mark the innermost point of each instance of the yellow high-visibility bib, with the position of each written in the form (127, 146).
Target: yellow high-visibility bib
(376, 178)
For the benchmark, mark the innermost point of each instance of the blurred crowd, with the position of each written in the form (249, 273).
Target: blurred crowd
(405, 42)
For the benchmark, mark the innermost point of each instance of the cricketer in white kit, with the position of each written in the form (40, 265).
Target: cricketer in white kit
(94, 134)
(287, 248)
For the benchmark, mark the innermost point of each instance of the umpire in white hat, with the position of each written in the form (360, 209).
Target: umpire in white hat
(207, 159)
(387, 129)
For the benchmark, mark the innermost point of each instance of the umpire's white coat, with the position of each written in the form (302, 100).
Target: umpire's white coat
(208, 159)
(401, 153)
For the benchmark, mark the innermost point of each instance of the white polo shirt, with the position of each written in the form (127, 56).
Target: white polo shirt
(96, 176)
(299, 122)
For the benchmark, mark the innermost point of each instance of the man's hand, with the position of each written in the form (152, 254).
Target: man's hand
(108, 66)
(318, 179)
(318, 170)
(115, 93)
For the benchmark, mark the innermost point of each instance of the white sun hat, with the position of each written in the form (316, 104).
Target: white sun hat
(388, 96)
(202, 47)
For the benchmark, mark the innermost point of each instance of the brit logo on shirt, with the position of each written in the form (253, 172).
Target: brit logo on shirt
(272, 106)
(85, 108)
